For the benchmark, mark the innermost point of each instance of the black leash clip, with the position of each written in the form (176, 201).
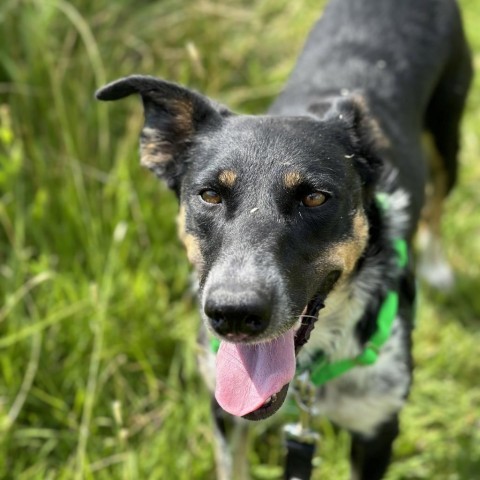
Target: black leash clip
(301, 439)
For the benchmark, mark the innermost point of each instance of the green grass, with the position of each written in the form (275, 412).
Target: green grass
(98, 376)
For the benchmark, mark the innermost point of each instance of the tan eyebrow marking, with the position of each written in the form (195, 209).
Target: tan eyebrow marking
(292, 179)
(227, 178)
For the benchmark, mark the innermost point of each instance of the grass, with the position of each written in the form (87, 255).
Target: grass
(98, 376)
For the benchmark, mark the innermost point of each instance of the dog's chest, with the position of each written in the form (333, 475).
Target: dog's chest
(367, 396)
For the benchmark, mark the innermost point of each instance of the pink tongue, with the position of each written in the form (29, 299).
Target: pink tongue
(248, 374)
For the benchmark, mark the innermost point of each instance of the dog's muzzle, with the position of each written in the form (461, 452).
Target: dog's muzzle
(253, 378)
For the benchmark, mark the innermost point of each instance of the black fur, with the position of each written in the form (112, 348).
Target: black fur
(370, 456)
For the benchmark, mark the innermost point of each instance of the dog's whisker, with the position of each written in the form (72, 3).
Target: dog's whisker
(308, 316)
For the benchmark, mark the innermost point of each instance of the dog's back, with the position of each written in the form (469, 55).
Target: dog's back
(408, 59)
(394, 52)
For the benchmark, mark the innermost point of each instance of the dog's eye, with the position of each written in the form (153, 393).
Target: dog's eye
(211, 196)
(314, 199)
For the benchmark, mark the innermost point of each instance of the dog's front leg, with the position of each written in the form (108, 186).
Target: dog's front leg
(370, 456)
(230, 445)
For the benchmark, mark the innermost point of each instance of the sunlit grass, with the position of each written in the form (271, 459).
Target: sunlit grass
(98, 376)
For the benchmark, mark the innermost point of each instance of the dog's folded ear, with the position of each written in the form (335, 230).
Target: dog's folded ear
(369, 143)
(173, 116)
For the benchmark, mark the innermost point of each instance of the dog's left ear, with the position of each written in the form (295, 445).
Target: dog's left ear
(368, 141)
(173, 116)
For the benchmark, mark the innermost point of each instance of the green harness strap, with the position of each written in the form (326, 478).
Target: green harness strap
(214, 344)
(322, 371)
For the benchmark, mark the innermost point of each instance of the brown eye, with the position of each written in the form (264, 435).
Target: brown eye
(211, 196)
(314, 199)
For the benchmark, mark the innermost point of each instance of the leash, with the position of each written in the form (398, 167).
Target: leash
(300, 438)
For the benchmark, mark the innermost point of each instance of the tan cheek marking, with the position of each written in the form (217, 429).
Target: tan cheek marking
(189, 241)
(227, 178)
(292, 179)
(344, 255)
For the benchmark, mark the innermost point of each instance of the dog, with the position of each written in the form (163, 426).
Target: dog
(300, 223)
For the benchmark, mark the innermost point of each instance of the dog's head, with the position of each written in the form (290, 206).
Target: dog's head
(272, 214)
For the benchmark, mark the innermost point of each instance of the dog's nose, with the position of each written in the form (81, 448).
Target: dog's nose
(238, 318)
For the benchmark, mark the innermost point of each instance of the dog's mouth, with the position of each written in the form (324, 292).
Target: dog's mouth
(273, 403)
(253, 380)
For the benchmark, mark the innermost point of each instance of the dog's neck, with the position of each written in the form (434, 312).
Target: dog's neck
(350, 314)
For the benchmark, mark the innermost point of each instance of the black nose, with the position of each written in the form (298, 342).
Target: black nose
(238, 316)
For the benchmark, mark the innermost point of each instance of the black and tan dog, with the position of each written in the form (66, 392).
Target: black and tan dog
(303, 209)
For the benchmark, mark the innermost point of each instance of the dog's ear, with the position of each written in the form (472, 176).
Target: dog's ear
(365, 135)
(173, 116)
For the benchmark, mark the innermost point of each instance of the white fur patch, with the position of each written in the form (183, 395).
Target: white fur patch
(367, 396)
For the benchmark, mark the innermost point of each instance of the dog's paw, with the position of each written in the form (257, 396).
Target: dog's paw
(438, 274)
(433, 266)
